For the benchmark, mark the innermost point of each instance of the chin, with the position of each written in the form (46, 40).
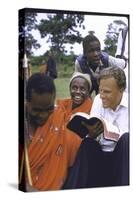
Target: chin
(96, 62)
(105, 106)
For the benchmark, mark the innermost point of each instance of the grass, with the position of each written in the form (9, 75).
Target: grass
(61, 83)
(62, 87)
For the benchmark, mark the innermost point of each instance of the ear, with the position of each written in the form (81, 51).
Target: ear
(122, 90)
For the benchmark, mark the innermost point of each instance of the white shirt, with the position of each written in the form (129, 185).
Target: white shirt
(119, 118)
(119, 45)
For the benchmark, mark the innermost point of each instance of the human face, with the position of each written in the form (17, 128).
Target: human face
(79, 91)
(94, 52)
(110, 93)
(40, 108)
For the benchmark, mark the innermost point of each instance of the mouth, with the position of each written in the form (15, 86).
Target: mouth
(96, 60)
(105, 103)
(77, 99)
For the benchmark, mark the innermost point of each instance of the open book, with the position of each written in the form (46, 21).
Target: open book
(79, 122)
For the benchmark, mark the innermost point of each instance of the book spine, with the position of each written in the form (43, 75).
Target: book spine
(22, 99)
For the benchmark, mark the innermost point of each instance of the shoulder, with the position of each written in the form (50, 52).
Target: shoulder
(97, 102)
(58, 116)
(97, 98)
(116, 62)
(63, 102)
(124, 100)
(80, 57)
(97, 106)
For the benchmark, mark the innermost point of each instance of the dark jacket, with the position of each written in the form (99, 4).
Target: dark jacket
(87, 67)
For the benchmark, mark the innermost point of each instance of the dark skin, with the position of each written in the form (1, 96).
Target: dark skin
(79, 91)
(94, 130)
(93, 52)
(39, 109)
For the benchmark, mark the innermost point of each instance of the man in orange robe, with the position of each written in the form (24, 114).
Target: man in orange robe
(51, 147)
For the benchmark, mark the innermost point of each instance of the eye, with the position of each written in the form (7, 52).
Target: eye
(83, 89)
(74, 88)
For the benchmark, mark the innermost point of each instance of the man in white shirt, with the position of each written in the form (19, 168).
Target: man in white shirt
(104, 162)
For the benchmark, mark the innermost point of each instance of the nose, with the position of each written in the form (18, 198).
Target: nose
(96, 53)
(78, 90)
(102, 95)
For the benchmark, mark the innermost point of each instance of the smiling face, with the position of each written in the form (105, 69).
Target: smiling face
(40, 108)
(110, 93)
(93, 52)
(79, 91)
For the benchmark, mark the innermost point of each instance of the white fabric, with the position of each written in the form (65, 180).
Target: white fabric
(119, 118)
(119, 45)
(116, 62)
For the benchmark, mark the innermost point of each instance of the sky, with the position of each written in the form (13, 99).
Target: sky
(96, 23)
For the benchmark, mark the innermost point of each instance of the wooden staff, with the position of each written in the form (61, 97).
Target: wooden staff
(25, 156)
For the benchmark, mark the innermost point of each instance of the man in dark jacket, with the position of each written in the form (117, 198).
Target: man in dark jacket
(94, 60)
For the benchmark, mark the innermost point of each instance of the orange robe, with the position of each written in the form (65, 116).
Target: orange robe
(51, 152)
(66, 106)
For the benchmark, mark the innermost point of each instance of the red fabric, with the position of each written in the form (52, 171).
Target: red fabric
(66, 106)
(51, 152)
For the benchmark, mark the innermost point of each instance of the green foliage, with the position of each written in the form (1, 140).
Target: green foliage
(65, 67)
(112, 36)
(65, 70)
(61, 29)
(61, 83)
(27, 23)
(62, 87)
(37, 60)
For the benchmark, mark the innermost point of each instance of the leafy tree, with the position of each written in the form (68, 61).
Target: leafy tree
(61, 29)
(112, 36)
(27, 22)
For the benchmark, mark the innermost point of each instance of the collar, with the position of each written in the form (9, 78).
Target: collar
(124, 101)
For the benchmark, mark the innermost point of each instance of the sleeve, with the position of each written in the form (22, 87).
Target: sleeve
(77, 66)
(117, 62)
(119, 44)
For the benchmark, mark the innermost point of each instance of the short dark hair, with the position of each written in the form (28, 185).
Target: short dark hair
(117, 73)
(40, 84)
(86, 42)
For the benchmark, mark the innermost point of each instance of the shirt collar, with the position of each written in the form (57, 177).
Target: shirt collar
(124, 101)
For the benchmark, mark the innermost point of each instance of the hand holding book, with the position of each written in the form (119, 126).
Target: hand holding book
(84, 124)
(95, 129)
